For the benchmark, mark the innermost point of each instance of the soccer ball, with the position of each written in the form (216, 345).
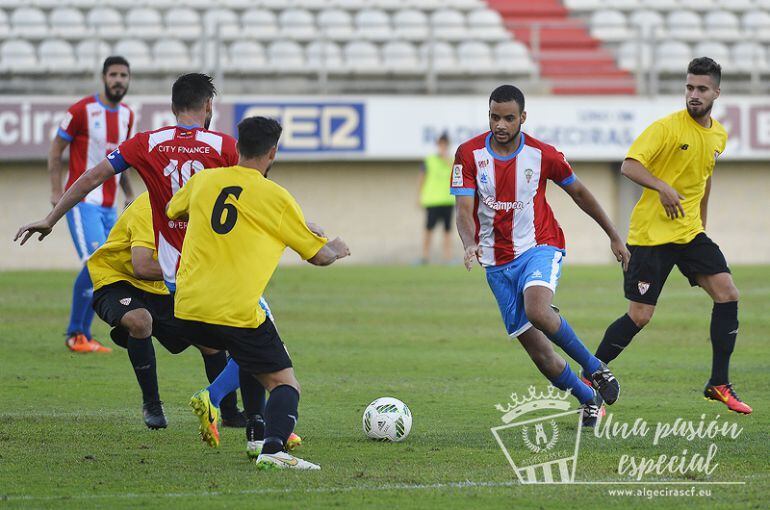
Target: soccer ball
(387, 419)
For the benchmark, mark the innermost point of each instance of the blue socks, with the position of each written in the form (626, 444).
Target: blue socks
(566, 338)
(82, 314)
(226, 382)
(569, 380)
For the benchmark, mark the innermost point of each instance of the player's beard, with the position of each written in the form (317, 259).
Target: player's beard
(207, 122)
(267, 170)
(511, 138)
(699, 111)
(116, 97)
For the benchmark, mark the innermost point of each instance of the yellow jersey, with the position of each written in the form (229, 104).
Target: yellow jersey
(112, 261)
(682, 153)
(239, 224)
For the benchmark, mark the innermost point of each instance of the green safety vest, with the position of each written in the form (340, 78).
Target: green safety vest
(435, 187)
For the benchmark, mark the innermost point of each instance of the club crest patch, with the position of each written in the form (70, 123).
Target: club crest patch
(125, 301)
(643, 287)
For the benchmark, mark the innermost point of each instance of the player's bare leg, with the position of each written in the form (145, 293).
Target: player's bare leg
(426, 238)
(724, 330)
(447, 247)
(537, 305)
(142, 355)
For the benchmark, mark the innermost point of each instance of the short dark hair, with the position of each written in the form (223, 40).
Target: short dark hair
(257, 135)
(505, 93)
(444, 137)
(191, 91)
(114, 60)
(704, 65)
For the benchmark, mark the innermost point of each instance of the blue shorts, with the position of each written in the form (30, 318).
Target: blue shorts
(540, 265)
(89, 226)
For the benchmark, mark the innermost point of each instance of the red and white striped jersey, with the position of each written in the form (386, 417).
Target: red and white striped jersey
(94, 130)
(511, 212)
(166, 159)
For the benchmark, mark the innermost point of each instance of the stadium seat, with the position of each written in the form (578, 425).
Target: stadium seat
(18, 55)
(5, 28)
(722, 25)
(400, 56)
(609, 25)
(684, 25)
(486, 25)
(410, 25)
(91, 53)
(223, 22)
(206, 53)
(238, 4)
(171, 55)
(362, 56)
(285, 56)
(634, 55)
(67, 22)
(297, 24)
(672, 56)
(56, 55)
(661, 5)
(144, 22)
(246, 56)
(335, 24)
(464, 5)
(448, 25)
(324, 55)
(349, 5)
(259, 24)
(757, 24)
(105, 22)
(183, 17)
(583, 5)
(714, 50)
(623, 5)
(373, 25)
(440, 56)
(388, 5)
(28, 23)
(736, 5)
(428, 5)
(647, 23)
(136, 52)
(312, 5)
(698, 5)
(748, 56)
(513, 56)
(474, 55)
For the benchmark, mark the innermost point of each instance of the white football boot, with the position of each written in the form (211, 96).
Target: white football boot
(283, 460)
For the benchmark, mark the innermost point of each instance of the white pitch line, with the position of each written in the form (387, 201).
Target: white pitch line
(386, 487)
(326, 490)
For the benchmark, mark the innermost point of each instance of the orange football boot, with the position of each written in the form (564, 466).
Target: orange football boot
(97, 347)
(726, 394)
(79, 343)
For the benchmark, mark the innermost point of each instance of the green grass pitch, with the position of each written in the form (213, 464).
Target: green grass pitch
(71, 434)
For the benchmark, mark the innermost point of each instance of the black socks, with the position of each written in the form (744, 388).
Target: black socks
(280, 417)
(617, 337)
(724, 330)
(142, 356)
(252, 394)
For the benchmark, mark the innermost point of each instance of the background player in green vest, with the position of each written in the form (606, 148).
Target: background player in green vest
(435, 196)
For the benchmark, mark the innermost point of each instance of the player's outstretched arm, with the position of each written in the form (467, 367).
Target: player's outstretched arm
(583, 197)
(669, 197)
(146, 267)
(79, 189)
(466, 227)
(333, 250)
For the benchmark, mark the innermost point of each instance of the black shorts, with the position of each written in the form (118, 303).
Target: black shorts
(256, 350)
(113, 301)
(441, 213)
(650, 266)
